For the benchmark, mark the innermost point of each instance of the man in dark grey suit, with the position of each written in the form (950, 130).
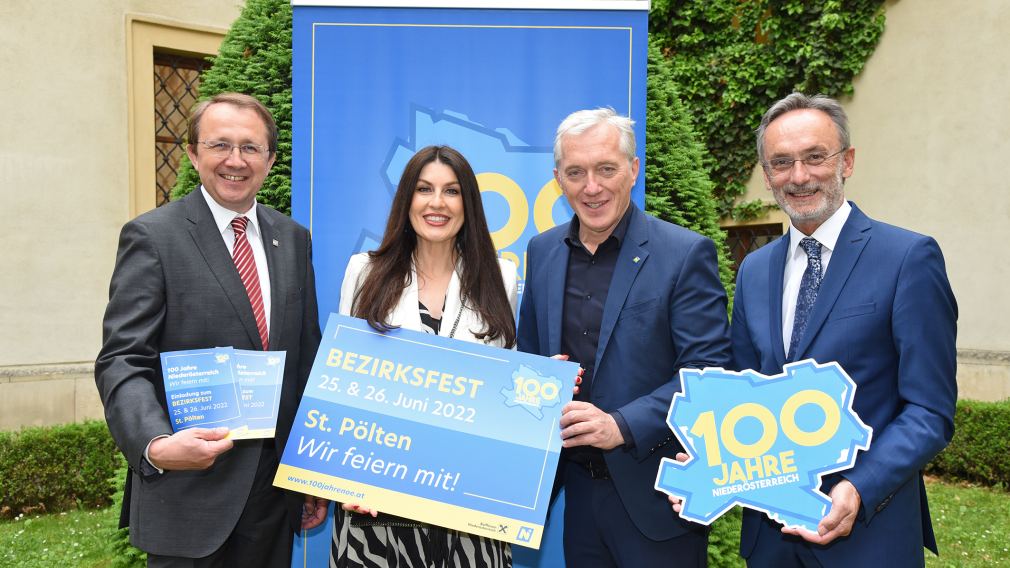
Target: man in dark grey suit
(194, 497)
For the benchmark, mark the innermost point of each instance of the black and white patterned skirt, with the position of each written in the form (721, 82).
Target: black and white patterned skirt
(394, 546)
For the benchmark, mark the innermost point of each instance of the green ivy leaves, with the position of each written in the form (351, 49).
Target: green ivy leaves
(731, 59)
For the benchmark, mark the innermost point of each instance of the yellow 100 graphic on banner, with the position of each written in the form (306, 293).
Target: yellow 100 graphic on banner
(533, 391)
(519, 211)
(755, 461)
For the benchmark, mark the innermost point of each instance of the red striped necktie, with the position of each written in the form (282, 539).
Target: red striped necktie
(246, 265)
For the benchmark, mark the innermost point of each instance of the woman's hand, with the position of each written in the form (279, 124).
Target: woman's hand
(578, 378)
(355, 508)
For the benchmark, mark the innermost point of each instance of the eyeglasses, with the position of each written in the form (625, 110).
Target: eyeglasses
(782, 165)
(223, 149)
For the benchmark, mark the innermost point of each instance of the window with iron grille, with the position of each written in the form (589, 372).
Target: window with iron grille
(176, 89)
(745, 239)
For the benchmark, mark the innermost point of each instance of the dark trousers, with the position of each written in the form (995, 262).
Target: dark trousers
(262, 537)
(599, 533)
(777, 550)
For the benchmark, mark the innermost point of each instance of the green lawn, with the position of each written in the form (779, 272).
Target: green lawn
(972, 523)
(75, 538)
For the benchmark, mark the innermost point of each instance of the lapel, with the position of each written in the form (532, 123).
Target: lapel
(853, 238)
(557, 269)
(211, 245)
(406, 314)
(278, 285)
(630, 260)
(453, 306)
(777, 267)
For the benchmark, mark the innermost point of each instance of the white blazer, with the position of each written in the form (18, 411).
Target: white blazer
(406, 314)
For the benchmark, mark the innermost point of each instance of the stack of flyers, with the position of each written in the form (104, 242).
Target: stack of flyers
(222, 386)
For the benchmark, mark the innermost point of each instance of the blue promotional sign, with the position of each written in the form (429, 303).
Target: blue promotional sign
(223, 386)
(457, 434)
(374, 83)
(372, 86)
(762, 442)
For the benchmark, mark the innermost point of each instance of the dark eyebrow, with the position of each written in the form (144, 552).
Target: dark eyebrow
(426, 182)
(807, 150)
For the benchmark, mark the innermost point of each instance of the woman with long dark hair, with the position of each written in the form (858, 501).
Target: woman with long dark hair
(435, 271)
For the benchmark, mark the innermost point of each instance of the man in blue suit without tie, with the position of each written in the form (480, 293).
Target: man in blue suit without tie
(874, 298)
(633, 299)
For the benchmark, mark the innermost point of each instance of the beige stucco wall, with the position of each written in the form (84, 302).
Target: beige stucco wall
(65, 90)
(930, 121)
(64, 186)
(932, 118)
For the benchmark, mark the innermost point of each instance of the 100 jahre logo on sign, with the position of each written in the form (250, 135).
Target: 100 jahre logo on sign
(762, 442)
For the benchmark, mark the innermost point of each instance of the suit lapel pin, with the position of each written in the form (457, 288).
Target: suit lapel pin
(275, 243)
(636, 259)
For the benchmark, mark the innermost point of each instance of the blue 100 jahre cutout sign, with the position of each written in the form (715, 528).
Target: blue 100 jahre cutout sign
(762, 442)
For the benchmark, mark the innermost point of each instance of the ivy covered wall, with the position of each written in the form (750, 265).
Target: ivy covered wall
(731, 59)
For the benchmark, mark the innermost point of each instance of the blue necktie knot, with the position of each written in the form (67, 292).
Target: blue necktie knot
(813, 250)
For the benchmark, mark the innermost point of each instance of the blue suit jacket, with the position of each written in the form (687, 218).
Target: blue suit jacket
(886, 313)
(665, 310)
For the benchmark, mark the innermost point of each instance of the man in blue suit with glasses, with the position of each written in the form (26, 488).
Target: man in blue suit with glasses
(873, 297)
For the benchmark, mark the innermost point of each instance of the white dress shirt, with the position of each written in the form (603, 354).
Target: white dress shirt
(223, 217)
(796, 263)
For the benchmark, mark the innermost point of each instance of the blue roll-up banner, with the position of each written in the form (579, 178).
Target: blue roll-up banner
(376, 81)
